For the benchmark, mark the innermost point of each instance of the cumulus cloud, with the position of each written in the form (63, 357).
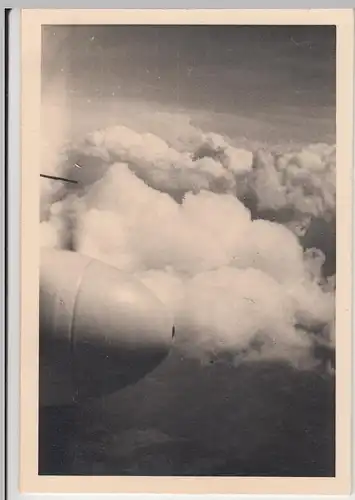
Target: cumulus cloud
(303, 181)
(300, 184)
(189, 218)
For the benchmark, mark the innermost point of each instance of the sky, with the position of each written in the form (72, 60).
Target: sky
(260, 83)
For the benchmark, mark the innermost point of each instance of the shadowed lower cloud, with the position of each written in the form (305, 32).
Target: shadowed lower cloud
(184, 419)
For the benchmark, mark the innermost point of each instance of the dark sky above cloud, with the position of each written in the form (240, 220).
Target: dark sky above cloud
(280, 76)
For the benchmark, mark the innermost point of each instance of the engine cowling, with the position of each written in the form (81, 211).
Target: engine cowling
(100, 329)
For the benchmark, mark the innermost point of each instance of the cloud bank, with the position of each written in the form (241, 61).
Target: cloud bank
(214, 230)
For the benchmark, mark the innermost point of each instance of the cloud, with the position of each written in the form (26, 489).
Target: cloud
(303, 182)
(189, 217)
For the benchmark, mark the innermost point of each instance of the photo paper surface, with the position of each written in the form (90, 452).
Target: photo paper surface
(183, 175)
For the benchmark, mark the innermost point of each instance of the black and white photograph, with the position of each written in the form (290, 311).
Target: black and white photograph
(187, 281)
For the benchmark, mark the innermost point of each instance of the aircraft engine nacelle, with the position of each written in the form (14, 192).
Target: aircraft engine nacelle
(100, 329)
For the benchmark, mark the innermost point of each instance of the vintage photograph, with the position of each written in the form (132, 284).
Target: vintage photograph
(187, 250)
